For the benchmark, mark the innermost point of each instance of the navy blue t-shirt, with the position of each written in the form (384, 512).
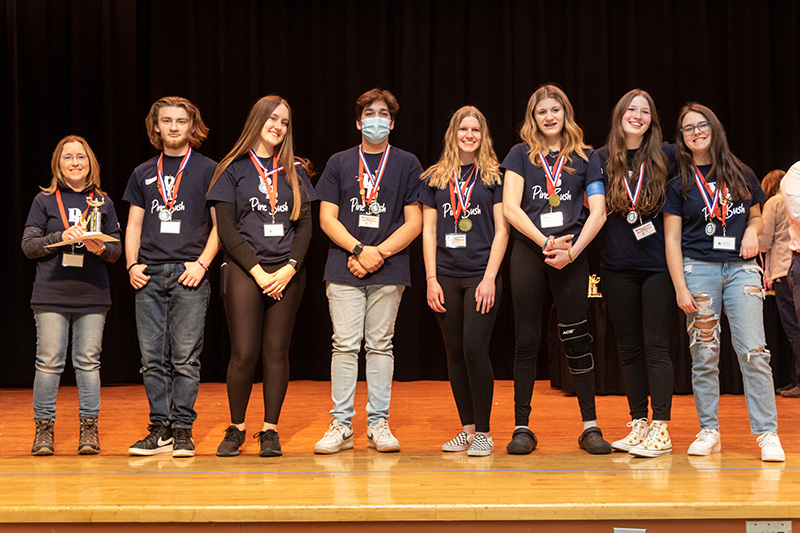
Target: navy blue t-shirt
(399, 187)
(535, 199)
(190, 209)
(63, 289)
(618, 245)
(241, 185)
(694, 241)
(471, 260)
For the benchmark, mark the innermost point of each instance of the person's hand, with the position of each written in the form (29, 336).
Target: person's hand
(72, 232)
(749, 246)
(562, 243)
(435, 296)
(686, 301)
(138, 278)
(280, 279)
(355, 267)
(193, 274)
(370, 258)
(557, 259)
(484, 296)
(96, 246)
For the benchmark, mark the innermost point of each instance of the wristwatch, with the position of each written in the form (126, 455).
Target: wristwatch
(358, 248)
(293, 263)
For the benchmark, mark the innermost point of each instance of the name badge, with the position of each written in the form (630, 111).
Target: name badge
(455, 240)
(273, 230)
(725, 243)
(72, 260)
(552, 220)
(644, 230)
(369, 221)
(173, 227)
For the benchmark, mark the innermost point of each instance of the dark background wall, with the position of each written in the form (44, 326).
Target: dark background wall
(93, 68)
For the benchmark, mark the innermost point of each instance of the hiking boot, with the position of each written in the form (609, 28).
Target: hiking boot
(43, 441)
(89, 441)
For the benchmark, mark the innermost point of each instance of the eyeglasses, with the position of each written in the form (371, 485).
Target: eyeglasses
(701, 127)
(80, 158)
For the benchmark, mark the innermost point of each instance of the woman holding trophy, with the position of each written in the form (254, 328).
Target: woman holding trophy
(71, 290)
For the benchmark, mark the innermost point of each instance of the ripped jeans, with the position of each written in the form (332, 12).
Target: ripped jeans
(736, 288)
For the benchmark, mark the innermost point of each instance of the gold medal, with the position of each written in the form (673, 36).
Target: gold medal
(465, 225)
(554, 200)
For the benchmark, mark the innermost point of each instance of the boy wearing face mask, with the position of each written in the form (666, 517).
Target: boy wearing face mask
(369, 209)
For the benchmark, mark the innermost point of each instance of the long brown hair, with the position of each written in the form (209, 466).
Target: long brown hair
(725, 166)
(571, 133)
(486, 159)
(92, 179)
(198, 131)
(650, 153)
(250, 135)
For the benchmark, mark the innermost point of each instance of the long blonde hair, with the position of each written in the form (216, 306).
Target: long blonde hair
(92, 179)
(571, 133)
(650, 153)
(250, 135)
(486, 159)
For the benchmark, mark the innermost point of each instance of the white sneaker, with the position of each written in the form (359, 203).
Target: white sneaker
(707, 442)
(771, 449)
(481, 446)
(656, 444)
(635, 437)
(459, 443)
(381, 438)
(337, 438)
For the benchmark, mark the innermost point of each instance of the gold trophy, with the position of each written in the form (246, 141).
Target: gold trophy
(594, 279)
(93, 223)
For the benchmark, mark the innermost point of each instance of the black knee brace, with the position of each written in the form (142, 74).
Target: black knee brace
(577, 345)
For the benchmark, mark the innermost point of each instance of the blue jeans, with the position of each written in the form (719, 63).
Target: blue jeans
(170, 320)
(368, 314)
(52, 339)
(736, 288)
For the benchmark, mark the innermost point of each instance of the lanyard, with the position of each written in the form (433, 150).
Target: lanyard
(162, 182)
(369, 183)
(552, 178)
(718, 206)
(462, 192)
(270, 185)
(634, 196)
(64, 213)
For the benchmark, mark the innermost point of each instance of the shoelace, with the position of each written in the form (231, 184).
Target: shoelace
(231, 434)
(768, 439)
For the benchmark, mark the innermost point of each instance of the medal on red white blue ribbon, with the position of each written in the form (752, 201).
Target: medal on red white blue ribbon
(553, 175)
(633, 215)
(369, 183)
(716, 206)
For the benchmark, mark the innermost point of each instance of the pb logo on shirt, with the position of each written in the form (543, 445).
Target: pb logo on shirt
(74, 216)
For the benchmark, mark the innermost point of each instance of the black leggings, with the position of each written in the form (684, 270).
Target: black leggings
(467, 334)
(530, 277)
(643, 310)
(259, 327)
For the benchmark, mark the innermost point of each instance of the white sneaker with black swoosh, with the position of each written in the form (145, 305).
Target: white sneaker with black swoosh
(338, 437)
(158, 441)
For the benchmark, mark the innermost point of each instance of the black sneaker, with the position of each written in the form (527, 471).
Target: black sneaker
(270, 443)
(182, 444)
(158, 441)
(229, 447)
(43, 441)
(89, 441)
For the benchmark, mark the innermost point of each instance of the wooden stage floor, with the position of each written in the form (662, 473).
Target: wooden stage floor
(557, 488)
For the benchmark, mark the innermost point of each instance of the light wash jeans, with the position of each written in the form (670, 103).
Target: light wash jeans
(170, 321)
(52, 339)
(736, 288)
(368, 314)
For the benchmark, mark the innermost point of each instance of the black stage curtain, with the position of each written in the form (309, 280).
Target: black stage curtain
(93, 68)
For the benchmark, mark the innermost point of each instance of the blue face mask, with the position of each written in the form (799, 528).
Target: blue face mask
(375, 129)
